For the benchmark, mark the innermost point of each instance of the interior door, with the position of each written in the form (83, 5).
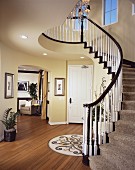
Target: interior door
(80, 91)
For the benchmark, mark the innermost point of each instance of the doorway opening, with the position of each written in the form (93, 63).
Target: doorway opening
(33, 78)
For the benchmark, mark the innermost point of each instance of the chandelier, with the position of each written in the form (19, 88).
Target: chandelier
(81, 9)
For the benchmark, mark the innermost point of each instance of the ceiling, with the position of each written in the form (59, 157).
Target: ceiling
(32, 18)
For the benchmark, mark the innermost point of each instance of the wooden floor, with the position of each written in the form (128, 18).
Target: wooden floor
(30, 150)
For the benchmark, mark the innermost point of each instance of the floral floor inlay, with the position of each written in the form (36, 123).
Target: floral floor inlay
(67, 144)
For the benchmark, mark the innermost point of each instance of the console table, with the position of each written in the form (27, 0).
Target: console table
(36, 110)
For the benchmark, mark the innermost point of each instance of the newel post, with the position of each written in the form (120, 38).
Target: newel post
(86, 128)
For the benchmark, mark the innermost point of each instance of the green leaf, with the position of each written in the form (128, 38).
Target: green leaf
(9, 119)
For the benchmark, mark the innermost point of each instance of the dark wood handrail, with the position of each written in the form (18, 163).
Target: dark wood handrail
(116, 75)
(66, 42)
(118, 71)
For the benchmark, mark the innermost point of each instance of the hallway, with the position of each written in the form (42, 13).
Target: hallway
(31, 151)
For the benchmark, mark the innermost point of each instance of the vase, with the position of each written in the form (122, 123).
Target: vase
(10, 135)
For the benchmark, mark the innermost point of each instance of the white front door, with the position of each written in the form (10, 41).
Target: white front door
(80, 91)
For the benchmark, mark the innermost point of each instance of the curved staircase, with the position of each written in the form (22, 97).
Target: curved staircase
(109, 146)
(119, 153)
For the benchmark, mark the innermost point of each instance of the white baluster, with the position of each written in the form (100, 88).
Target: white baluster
(90, 35)
(113, 58)
(101, 39)
(98, 42)
(65, 31)
(116, 99)
(107, 50)
(50, 32)
(47, 32)
(56, 32)
(108, 115)
(91, 132)
(104, 132)
(95, 134)
(96, 35)
(79, 32)
(85, 129)
(111, 62)
(108, 63)
(106, 47)
(103, 47)
(111, 109)
(100, 125)
(72, 30)
(93, 39)
(84, 31)
(69, 28)
(120, 90)
(53, 33)
(60, 33)
(113, 100)
(87, 34)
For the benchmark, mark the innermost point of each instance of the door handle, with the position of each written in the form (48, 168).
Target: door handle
(70, 100)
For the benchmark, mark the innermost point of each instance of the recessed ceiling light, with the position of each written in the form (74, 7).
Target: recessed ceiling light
(81, 57)
(23, 36)
(44, 53)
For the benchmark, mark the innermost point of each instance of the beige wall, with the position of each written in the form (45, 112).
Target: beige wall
(123, 30)
(10, 60)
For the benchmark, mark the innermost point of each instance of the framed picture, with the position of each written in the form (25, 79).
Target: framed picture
(59, 87)
(9, 85)
(23, 85)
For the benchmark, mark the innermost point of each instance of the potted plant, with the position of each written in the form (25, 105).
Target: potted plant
(9, 121)
(33, 92)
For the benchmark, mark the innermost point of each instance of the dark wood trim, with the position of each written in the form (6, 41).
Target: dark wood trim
(85, 160)
(40, 84)
(112, 83)
(61, 41)
(119, 69)
(128, 62)
(25, 71)
(120, 66)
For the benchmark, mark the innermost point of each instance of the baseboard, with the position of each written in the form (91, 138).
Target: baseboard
(57, 123)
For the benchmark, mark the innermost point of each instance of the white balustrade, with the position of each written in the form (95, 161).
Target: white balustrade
(106, 111)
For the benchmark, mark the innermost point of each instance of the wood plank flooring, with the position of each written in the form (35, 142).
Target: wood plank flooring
(30, 151)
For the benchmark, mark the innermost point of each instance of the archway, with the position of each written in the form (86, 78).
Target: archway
(32, 75)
